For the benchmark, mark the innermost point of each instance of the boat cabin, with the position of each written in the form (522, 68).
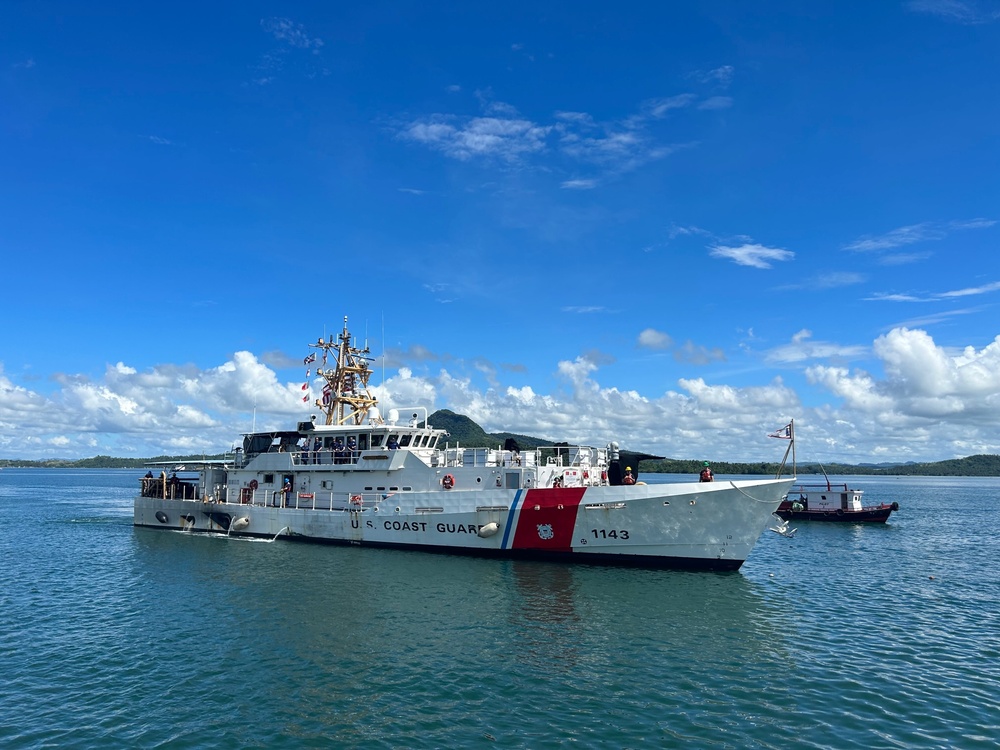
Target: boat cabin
(825, 497)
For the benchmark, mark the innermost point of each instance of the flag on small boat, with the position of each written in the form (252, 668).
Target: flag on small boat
(785, 433)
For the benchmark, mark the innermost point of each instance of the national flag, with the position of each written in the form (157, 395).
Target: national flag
(785, 433)
(310, 359)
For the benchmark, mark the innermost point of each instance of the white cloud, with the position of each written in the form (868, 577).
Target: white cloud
(290, 32)
(802, 348)
(650, 338)
(929, 404)
(969, 12)
(491, 137)
(696, 354)
(717, 102)
(723, 75)
(913, 233)
(500, 134)
(579, 184)
(755, 256)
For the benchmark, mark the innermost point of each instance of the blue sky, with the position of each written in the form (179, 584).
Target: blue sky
(676, 227)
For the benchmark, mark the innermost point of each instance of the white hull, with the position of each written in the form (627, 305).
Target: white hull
(683, 525)
(354, 477)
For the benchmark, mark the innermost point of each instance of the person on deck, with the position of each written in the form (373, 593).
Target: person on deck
(706, 474)
(628, 478)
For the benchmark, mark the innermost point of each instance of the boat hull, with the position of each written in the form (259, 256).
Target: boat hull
(876, 514)
(682, 525)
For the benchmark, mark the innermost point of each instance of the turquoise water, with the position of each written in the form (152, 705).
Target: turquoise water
(843, 636)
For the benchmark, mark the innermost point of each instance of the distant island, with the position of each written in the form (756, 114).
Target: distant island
(463, 431)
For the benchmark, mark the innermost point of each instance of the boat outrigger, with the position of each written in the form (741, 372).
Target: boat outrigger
(356, 477)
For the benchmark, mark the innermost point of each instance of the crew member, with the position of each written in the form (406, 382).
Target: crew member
(706, 474)
(628, 478)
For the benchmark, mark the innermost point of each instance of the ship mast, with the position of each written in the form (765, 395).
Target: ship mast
(346, 398)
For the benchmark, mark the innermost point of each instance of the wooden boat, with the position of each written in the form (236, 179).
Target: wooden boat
(832, 502)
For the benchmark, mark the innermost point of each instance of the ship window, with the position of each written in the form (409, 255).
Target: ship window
(363, 442)
(405, 440)
(434, 441)
(394, 489)
(369, 489)
(377, 440)
(423, 443)
(269, 479)
(380, 489)
(407, 489)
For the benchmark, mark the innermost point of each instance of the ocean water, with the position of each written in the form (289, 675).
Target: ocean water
(840, 637)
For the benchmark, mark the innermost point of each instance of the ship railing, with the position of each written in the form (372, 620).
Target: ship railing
(326, 457)
(168, 489)
(329, 500)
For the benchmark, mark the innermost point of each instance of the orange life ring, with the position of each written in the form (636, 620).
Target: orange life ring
(253, 484)
(448, 481)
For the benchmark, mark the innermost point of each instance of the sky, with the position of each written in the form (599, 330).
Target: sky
(677, 226)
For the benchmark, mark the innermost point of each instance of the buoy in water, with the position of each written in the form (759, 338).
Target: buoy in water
(489, 529)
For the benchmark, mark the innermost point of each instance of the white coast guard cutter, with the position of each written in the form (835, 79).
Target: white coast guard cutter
(356, 478)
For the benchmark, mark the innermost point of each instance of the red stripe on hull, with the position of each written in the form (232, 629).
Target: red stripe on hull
(547, 519)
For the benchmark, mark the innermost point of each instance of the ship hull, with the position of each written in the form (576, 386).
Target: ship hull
(683, 525)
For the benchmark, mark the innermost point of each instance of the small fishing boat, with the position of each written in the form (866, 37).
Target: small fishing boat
(824, 502)
(831, 502)
(354, 477)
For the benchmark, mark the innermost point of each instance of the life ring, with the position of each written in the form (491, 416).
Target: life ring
(253, 485)
(448, 481)
(840, 511)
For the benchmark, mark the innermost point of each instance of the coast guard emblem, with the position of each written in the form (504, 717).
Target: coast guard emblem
(545, 531)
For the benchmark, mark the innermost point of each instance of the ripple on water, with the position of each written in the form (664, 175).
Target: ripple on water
(118, 637)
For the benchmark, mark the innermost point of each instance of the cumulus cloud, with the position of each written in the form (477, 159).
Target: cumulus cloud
(926, 400)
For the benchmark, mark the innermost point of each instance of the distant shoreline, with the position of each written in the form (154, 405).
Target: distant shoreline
(983, 465)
